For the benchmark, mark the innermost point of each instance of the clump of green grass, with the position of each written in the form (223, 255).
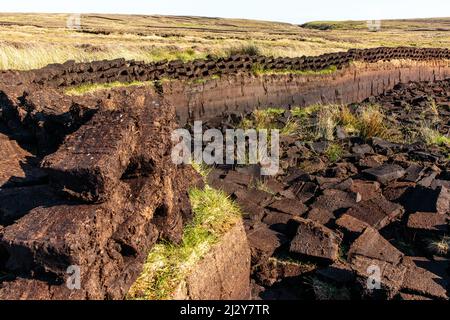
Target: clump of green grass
(291, 127)
(262, 119)
(442, 140)
(347, 119)
(368, 122)
(204, 80)
(202, 168)
(334, 152)
(433, 137)
(274, 112)
(258, 70)
(305, 112)
(168, 264)
(306, 266)
(432, 106)
(94, 87)
(262, 186)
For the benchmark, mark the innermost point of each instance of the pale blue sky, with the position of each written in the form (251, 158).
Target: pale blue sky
(294, 11)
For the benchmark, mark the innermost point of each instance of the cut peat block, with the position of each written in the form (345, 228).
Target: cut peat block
(90, 163)
(429, 223)
(391, 277)
(372, 245)
(385, 173)
(56, 237)
(372, 253)
(422, 279)
(377, 212)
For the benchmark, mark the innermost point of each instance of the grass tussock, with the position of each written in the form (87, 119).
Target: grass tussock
(267, 119)
(262, 119)
(94, 87)
(334, 152)
(440, 247)
(371, 122)
(262, 186)
(433, 137)
(347, 119)
(285, 260)
(317, 122)
(202, 168)
(250, 49)
(305, 112)
(168, 264)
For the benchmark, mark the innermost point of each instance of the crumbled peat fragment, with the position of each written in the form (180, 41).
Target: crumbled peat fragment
(377, 212)
(313, 240)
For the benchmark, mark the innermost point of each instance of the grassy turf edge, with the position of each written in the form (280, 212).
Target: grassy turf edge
(168, 264)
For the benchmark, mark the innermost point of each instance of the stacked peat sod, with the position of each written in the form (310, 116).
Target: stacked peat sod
(112, 192)
(72, 74)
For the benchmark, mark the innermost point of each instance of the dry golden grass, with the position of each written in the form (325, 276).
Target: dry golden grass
(35, 40)
(372, 122)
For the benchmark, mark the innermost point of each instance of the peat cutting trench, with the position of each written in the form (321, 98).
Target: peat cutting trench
(363, 188)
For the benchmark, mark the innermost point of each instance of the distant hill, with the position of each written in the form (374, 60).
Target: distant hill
(432, 24)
